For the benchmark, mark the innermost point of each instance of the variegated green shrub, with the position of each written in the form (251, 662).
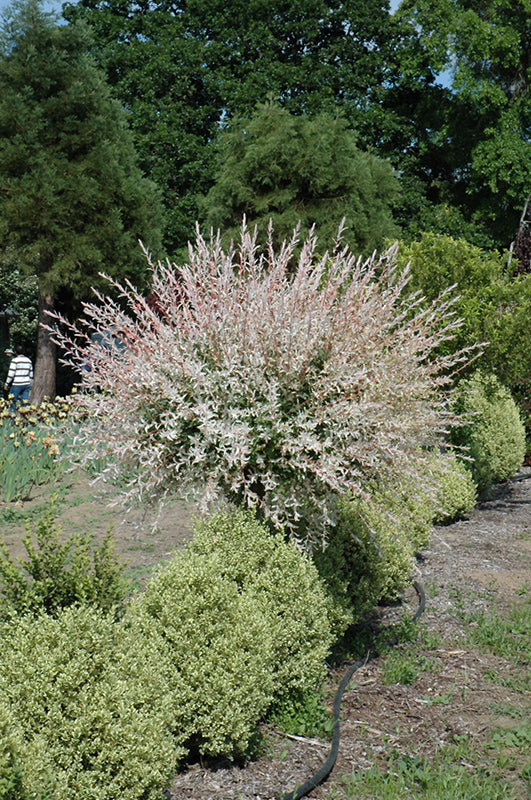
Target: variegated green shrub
(86, 708)
(245, 618)
(219, 644)
(495, 435)
(457, 490)
(285, 584)
(368, 557)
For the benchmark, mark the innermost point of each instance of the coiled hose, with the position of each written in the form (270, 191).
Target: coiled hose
(324, 771)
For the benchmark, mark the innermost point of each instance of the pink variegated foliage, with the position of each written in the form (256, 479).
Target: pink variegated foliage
(277, 382)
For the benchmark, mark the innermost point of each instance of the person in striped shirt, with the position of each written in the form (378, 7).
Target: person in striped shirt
(19, 377)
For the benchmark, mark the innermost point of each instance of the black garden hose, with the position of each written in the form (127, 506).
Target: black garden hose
(322, 773)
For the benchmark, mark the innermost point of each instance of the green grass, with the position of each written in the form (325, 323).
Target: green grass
(302, 713)
(495, 766)
(407, 777)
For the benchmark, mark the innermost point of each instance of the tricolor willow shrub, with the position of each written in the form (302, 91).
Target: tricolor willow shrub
(275, 381)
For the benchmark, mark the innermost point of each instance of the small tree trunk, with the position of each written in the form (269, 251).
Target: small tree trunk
(44, 378)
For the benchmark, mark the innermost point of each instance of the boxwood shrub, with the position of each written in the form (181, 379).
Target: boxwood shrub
(246, 620)
(84, 709)
(56, 574)
(220, 648)
(495, 435)
(285, 584)
(369, 556)
(456, 489)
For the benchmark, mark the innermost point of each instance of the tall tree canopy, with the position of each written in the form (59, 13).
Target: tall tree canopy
(460, 145)
(479, 150)
(184, 68)
(73, 201)
(293, 169)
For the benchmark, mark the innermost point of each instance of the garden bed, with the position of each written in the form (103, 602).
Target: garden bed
(450, 698)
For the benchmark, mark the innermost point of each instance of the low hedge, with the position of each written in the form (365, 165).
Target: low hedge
(220, 649)
(287, 587)
(368, 557)
(456, 493)
(245, 619)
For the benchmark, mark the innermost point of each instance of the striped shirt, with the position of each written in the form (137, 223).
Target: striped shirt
(20, 371)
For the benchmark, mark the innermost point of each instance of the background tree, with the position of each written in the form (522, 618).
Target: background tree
(476, 149)
(290, 169)
(495, 305)
(72, 198)
(19, 294)
(182, 70)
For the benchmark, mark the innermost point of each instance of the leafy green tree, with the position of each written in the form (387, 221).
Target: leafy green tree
(285, 168)
(476, 159)
(73, 201)
(183, 69)
(494, 304)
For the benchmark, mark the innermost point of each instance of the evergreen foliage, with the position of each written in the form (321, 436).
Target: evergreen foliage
(300, 170)
(72, 199)
(19, 292)
(218, 642)
(495, 306)
(473, 156)
(245, 620)
(56, 575)
(440, 89)
(183, 70)
(286, 587)
(457, 492)
(495, 435)
(84, 708)
(368, 557)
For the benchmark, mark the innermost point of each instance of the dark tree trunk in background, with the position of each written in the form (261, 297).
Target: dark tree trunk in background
(44, 378)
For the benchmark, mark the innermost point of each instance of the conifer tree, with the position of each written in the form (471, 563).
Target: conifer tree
(73, 201)
(301, 170)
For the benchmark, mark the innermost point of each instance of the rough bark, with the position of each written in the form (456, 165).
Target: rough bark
(44, 378)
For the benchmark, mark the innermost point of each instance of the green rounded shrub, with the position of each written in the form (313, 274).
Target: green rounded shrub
(286, 585)
(456, 489)
(11, 783)
(411, 510)
(368, 557)
(219, 643)
(495, 435)
(87, 707)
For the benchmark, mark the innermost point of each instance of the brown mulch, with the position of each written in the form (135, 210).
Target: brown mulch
(477, 564)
